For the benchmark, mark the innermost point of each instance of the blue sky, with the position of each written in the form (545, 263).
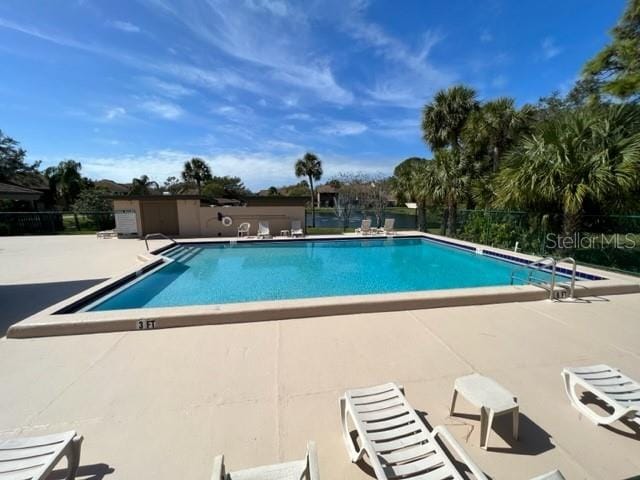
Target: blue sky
(133, 87)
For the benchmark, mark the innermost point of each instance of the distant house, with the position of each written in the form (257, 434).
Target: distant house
(113, 188)
(26, 192)
(326, 195)
(18, 195)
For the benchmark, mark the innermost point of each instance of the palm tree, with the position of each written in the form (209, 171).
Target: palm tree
(142, 186)
(496, 126)
(310, 166)
(450, 183)
(196, 171)
(444, 118)
(411, 183)
(443, 123)
(65, 180)
(588, 155)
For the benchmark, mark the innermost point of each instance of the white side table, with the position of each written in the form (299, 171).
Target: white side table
(491, 398)
(285, 233)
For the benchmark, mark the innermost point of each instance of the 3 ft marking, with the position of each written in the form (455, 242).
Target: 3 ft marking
(146, 324)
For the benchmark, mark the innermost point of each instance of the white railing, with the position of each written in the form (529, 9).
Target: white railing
(544, 265)
(150, 236)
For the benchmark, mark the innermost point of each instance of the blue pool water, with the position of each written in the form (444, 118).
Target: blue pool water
(223, 273)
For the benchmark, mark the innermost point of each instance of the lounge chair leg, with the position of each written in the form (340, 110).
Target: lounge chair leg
(354, 455)
(73, 457)
(516, 422)
(570, 388)
(453, 402)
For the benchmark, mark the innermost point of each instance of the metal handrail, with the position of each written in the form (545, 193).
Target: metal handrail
(552, 263)
(530, 266)
(161, 235)
(572, 261)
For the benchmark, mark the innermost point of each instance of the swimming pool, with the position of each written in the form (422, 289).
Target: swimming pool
(206, 274)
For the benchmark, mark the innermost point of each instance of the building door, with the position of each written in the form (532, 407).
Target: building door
(160, 216)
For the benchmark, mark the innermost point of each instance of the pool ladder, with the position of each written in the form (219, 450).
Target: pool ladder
(150, 236)
(544, 265)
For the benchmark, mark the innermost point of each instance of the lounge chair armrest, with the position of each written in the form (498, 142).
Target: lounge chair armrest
(312, 471)
(218, 468)
(453, 443)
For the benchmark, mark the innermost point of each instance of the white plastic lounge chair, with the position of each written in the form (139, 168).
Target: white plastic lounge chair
(34, 458)
(388, 227)
(296, 228)
(397, 443)
(243, 229)
(612, 387)
(305, 469)
(263, 230)
(365, 227)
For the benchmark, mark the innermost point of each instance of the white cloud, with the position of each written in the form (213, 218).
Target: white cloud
(114, 112)
(549, 48)
(166, 110)
(499, 81)
(298, 116)
(238, 113)
(410, 77)
(257, 170)
(125, 26)
(343, 128)
(399, 128)
(274, 7)
(486, 37)
(168, 89)
(269, 37)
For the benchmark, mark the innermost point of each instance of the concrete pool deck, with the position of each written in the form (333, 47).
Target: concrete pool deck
(161, 404)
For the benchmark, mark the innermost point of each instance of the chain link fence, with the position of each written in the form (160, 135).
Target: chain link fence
(610, 241)
(47, 223)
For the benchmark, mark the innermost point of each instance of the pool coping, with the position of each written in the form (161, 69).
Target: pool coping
(56, 320)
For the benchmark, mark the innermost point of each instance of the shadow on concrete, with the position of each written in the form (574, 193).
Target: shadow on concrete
(532, 439)
(97, 471)
(630, 430)
(20, 301)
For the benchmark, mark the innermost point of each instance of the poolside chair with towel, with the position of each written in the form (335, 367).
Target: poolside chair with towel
(243, 229)
(388, 227)
(263, 230)
(618, 391)
(296, 228)
(305, 469)
(36, 457)
(365, 227)
(397, 442)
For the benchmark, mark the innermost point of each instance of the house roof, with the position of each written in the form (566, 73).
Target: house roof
(326, 188)
(154, 197)
(16, 192)
(112, 187)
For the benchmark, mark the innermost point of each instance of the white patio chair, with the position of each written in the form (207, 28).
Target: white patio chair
(263, 230)
(397, 442)
(296, 228)
(34, 458)
(388, 227)
(365, 227)
(305, 469)
(617, 390)
(243, 229)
